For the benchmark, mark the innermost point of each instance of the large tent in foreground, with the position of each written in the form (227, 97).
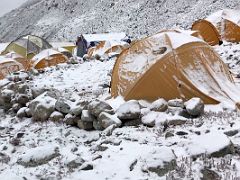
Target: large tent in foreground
(222, 25)
(172, 65)
(47, 58)
(8, 66)
(27, 46)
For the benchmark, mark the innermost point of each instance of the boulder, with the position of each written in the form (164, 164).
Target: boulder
(87, 116)
(56, 116)
(97, 125)
(63, 105)
(75, 163)
(129, 110)
(71, 120)
(160, 161)
(38, 156)
(149, 119)
(176, 103)
(209, 174)
(86, 125)
(176, 120)
(28, 112)
(194, 106)
(22, 99)
(22, 112)
(42, 107)
(109, 130)
(96, 107)
(6, 96)
(107, 120)
(16, 107)
(4, 158)
(159, 105)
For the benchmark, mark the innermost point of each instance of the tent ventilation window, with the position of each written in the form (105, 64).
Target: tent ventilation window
(159, 51)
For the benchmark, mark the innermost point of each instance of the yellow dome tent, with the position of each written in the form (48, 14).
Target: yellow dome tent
(172, 65)
(8, 66)
(47, 58)
(224, 24)
(27, 46)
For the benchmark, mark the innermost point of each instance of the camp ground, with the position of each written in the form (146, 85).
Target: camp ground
(221, 25)
(148, 100)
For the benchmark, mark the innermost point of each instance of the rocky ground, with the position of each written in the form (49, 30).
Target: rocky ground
(62, 124)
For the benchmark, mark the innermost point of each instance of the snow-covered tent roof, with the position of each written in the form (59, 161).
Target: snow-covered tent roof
(105, 37)
(228, 14)
(45, 53)
(3, 46)
(62, 44)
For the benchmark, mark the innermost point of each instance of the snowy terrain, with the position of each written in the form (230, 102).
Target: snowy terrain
(65, 19)
(8, 5)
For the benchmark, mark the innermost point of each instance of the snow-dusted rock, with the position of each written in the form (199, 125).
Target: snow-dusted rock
(63, 105)
(22, 99)
(28, 112)
(160, 161)
(97, 125)
(144, 111)
(175, 110)
(75, 163)
(38, 156)
(71, 119)
(87, 116)
(129, 110)
(22, 112)
(215, 144)
(42, 107)
(56, 116)
(194, 106)
(97, 106)
(109, 130)
(6, 96)
(16, 107)
(176, 103)
(4, 158)
(176, 120)
(107, 120)
(149, 119)
(86, 125)
(208, 174)
(144, 104)
(159, 105)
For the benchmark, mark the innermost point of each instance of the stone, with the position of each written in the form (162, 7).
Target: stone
(22, 99)
(22, 113)
(107, 120)
(181, 133)
(86, 125)
(129, 110)
(176, 103)
(86, 167)
(168, 135)
(56, 116)
(160, 161)
(71, 120)
(63, 105)
(42, 107)
(144, 104)
(16, 107)
(209, 174)
(96, 107)
(149, 119)
(4, 158)
(28, 112)
(87, 116)
(109, 130)
(6, 96)
(77, 162)
(176, 120)
(97, 125)
(175, 110)
(231, 133)
(134, 122)
(159, 105)
(194, 106)
(38, 156)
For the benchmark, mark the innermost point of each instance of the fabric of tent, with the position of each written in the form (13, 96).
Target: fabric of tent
(47, 58)
(172, 65)
(224, 24)
(24, 61)
(64, 51)
(27, 46)
(108, 48)
(70, 46)
(8, 66)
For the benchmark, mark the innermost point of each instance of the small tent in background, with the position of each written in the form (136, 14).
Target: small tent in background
(27, 46)
(108, 48)
(172, 65)
(8, 66)
(47, 58)
(222, 25)
(69, 46)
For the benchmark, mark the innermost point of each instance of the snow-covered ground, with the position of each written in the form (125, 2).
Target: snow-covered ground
(205, 145)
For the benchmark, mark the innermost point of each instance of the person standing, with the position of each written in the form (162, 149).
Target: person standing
(81, 46)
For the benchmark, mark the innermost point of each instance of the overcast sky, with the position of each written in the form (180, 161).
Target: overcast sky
(8, 5)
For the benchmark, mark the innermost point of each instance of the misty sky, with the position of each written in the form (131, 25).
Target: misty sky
(8, 5)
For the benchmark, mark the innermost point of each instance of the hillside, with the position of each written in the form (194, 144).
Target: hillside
(65, 19)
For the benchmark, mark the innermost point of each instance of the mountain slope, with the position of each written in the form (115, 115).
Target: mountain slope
(65, 19)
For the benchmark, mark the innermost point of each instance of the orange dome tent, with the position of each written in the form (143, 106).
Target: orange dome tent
(47, 58)
(224, 24)
(172, 65)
